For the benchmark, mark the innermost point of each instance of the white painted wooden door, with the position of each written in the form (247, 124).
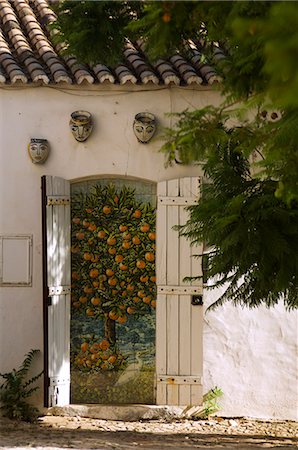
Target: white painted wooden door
(58, 276)
(179, 321)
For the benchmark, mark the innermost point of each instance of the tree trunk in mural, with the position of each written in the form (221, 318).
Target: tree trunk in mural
(110, 330)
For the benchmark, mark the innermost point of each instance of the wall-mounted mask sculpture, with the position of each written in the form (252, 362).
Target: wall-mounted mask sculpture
(39, 150)
(144, 127)
(81, 125)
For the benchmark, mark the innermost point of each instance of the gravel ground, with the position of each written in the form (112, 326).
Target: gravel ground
(57, 432)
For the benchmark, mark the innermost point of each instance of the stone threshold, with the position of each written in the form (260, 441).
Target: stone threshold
(126, 413)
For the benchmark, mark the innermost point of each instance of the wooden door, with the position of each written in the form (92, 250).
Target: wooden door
(56, 280)
(179, 314)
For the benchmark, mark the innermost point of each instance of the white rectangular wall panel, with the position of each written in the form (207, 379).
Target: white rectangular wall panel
(16, 260)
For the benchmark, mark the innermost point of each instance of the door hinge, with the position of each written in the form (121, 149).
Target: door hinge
(179, 379)
(53, 200)
(59, 290)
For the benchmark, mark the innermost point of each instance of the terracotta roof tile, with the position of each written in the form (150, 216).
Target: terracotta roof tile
(28, 54)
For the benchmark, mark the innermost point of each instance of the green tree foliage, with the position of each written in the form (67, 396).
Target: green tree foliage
(260, 87)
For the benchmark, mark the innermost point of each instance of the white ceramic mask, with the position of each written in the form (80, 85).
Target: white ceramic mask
(144, 127)
(38, 150)
(81, 125)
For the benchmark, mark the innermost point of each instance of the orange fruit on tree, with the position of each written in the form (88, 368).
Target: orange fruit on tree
(114, 292)
(144, 278)
(141, 294)
(90, 312)
(80, 235)
(95, 301)
(104, 345)
(95, 357)
(76, 220)
(95, 284)
(110, 272)
(137, 214)
(112, 281)
(124, 293)
(130, 310)
(112, 359)
(83, 299)
(122, 283)
(76, 305)
(86, 223)
(126, 236)
(153, 279)
(94, 273)
(136, 240)
(126, 245)
(104, 356)
(153, 303)
(166, 17)
(101, 234)
(147, 300)
(136, 299)
(89, 210)
(95, 258)
(122, 319)
(122, 228)
(145, 227)
(92, 227)
(119, 258)
(75, 276)
(88, 289)
(140, 264)
(84, 346)
(74, 249)
(116, 199)
(123, 266)
(130, 287)
(87, 256)
(111, 240)
(106, 210)
(104, 366)
(112, 250)
(113, 315)
(149, 256)
(152, 236)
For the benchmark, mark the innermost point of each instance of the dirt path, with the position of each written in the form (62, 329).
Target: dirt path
(55, 433)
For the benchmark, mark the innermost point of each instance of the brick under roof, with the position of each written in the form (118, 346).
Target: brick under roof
(28, 55)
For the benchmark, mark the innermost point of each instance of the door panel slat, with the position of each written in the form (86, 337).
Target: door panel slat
(178, 323)
(58, 274)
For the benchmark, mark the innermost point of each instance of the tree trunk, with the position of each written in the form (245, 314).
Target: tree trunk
(110, 330)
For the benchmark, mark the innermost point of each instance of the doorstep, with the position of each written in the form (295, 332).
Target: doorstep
(126, 413)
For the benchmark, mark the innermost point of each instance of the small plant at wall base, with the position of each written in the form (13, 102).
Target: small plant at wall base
(16, 389)
(210, 405)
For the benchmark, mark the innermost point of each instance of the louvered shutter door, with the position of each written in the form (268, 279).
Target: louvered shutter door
(178, 322)
(58, 280)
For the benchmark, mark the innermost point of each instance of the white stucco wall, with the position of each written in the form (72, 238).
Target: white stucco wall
(249, 354)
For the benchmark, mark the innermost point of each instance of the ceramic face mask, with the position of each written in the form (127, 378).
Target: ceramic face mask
(81, 125)
(144, 127)
(38, 150)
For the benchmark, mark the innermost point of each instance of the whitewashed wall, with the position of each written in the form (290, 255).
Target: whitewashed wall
(249, 354)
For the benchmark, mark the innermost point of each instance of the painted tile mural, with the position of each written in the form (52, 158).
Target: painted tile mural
(113, 292)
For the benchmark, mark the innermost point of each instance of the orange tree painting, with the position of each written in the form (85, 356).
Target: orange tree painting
(113, 269)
